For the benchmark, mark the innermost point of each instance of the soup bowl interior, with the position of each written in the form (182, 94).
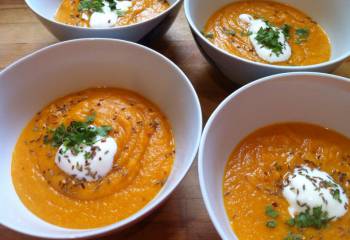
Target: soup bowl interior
(331, 15)
(31, 83)
(292, 97)
(46, 11)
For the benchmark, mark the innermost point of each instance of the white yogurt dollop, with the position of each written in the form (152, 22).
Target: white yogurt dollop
(91, 163)
(123, 5)
(310, 188)
(108, 18)
(254, 25)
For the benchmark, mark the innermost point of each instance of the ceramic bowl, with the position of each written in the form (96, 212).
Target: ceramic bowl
(333, 16)
(45, 10)
(315, 98)
(31, 83)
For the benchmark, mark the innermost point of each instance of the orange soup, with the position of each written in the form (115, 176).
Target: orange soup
(100, 14)
(276, 34)
(256, 174)
(63, 169)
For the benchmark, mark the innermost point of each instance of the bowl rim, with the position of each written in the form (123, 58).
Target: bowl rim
(213, 116)
(72, 27)
(157, 200)
(197, 32)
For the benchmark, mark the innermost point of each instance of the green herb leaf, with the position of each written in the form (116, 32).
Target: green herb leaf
(90, 118)
(317, 219)
(57, 136)
(88, 155)
(293, 236)
(90, 5)
(112, 4)
(291, 222)
(121, 13)
(336, 195)
(303, 34)
(271, 224)
(271, 212)
(286, 30)
(268, 37)
(76, 134)
(103, 130)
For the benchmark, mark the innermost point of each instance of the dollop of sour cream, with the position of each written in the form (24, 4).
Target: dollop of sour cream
(91, 163)
(254, 25)
(308, 188)
(108, 18)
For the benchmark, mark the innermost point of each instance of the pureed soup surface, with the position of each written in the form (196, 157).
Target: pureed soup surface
(255, 170)
(308, 41)
(140, 10)
(141, 164)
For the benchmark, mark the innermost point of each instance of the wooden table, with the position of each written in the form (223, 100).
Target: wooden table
(183, 216)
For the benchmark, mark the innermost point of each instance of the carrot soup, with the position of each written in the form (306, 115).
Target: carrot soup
(93, 158)
(108, 13)
(268, 32)
(289, 181)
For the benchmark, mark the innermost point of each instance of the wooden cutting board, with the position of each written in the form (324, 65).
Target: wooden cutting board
(183, 216)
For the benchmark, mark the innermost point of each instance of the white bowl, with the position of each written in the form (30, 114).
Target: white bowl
(303, 97)
(333, 16)
(152, 28)
(32, 82)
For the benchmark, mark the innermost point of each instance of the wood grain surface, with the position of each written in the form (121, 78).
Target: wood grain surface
(183, 216)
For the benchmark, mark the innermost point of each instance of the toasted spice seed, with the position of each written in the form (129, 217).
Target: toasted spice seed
(271, 224)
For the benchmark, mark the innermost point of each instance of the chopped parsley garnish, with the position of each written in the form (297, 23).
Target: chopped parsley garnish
(336, 195)
(293, 236)
(97, 5)
(333, 188)
(90, 118)
(268, 37)
(303, 34)
(291, 222)
(120, 13)
(286, 30)
(112, 4)
(271, 212)
(317, 219)
(76, 134)
(88, 155)
(90, 5)
(271, 224)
